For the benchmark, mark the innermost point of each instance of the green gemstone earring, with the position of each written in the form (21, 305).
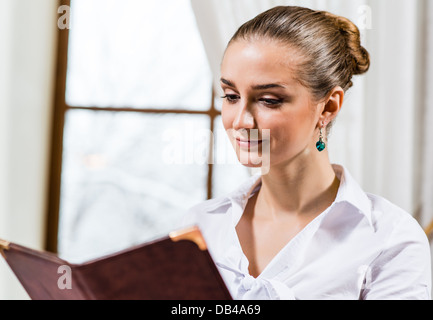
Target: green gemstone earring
(320, 145)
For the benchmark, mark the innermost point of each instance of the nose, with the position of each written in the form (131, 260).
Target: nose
(244, 119)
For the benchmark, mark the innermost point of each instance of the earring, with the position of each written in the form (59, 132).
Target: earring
(320, 145)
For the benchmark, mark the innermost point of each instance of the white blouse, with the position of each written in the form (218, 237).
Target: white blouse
(361, 247)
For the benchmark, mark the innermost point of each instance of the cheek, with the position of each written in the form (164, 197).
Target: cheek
(280, 133)
(277, 123)
(285, 131)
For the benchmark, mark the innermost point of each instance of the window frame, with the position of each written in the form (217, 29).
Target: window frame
(57, 133)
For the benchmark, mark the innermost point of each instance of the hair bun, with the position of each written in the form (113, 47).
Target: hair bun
(360, 56)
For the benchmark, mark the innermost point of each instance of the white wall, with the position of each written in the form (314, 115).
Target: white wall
(27, 63)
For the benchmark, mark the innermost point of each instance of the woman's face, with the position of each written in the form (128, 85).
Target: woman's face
(261, 92)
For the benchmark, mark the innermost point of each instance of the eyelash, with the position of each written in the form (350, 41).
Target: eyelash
(232, 98)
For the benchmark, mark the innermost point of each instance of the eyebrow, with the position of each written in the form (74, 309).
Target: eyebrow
(268, 86)
(256, 87)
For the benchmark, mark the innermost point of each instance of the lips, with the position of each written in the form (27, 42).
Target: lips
(248, 143)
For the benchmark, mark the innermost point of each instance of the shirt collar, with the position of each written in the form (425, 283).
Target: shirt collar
(238, 196)
(349, 192)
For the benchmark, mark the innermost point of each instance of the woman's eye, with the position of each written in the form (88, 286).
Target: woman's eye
(271, 102)
(231, 98)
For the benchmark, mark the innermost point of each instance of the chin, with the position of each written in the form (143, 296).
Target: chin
(254, 161)
(251, 164)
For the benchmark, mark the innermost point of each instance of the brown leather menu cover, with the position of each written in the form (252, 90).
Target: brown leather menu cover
(177, 267)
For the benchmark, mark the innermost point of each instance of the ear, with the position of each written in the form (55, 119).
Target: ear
(332, 106)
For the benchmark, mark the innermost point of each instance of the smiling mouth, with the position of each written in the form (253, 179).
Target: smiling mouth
(248, 143)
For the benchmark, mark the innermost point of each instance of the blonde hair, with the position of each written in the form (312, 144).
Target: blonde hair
(330, 45)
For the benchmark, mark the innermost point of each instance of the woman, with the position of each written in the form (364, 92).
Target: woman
(303, 229)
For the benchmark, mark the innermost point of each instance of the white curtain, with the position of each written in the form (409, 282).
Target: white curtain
(425, 175)
(384, 132)
(27, 65)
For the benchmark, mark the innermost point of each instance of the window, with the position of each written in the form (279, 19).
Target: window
(137, 136)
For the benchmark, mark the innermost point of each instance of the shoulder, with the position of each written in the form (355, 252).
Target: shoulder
(384, 216)
(402, 270)
(403, 237)
(389, 216)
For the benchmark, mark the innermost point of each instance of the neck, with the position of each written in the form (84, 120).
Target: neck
(301, 186)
